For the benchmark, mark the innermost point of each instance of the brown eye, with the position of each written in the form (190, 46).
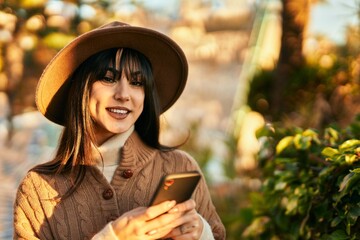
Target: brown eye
(137, 79)
(109, 77)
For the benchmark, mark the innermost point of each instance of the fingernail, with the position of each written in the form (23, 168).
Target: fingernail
(171, 204)
(173, 210)
(152, 232)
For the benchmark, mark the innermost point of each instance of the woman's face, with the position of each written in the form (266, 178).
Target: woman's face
(116, 103)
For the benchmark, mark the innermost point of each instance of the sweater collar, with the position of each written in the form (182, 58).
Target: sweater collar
(135, 153)
(107, 154)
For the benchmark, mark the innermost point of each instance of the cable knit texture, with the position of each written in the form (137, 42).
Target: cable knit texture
(96, 202)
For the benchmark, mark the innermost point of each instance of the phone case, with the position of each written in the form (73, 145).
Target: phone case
(176, 186)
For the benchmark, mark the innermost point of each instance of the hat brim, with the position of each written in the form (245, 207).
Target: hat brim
(169, 65)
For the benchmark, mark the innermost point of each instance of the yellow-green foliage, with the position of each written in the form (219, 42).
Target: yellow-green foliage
(310, 186)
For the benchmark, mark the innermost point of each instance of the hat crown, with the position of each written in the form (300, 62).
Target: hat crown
(168, 61)
(114, 24)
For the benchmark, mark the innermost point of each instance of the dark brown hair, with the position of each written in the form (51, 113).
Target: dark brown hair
(74, 154)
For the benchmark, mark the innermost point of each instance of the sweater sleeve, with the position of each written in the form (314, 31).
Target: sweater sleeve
(204, 204)
(207, 232)
(207, 210)
(106, 233)
(29, 219)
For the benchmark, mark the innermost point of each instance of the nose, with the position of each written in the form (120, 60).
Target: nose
(122, 90)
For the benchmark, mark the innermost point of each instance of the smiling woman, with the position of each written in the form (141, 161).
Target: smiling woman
(115, 82)
(117, 95)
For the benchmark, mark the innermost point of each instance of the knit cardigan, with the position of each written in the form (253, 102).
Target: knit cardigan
(96, 202)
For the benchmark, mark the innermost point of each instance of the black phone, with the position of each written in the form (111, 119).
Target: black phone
(176, 186)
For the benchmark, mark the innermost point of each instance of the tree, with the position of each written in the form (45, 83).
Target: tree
(295, 18)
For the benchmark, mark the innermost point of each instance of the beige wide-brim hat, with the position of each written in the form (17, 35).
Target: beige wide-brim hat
(168, 61)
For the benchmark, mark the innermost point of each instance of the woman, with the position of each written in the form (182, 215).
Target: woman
(108, 88)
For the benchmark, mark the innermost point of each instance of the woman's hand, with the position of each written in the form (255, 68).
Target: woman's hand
(164, 220)
(156, 221)
(190, 225)
(144, 223)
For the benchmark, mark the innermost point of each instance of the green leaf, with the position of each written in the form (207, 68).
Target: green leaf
(349, 143)
(280, 186)
(257, 227)
(329, 152)
(353, 215)
(333, 133)
(336, 221)
(355, 211)
(339, 235)
(291, 206)
(283, 160)
(302, 142)
(356, 170)
(284, 143)
(310, 133)
(348, 181)
(351, 158)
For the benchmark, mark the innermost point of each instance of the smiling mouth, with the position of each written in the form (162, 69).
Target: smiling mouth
(118, 111)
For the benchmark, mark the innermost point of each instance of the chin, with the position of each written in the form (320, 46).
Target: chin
(118, 131)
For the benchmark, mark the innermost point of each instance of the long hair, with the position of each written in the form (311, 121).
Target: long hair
(74, 154)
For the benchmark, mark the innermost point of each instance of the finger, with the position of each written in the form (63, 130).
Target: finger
(164, 223)
(168, 221)
(124, 220)
(183, 207)
(158, 233)
(150, 220)
(186, 221)
(143, 223)
(187, 231)
(157, 210)
(135, 212)
(135, 220)
(187, 228)
(190, 216)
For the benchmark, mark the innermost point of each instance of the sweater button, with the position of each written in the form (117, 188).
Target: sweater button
(127, 173)
(107, 194)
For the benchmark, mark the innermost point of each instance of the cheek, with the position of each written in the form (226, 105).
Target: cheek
(141, 100)
(92, 106)
(94, 99)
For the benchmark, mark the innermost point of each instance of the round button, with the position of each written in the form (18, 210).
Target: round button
(127, 173)
(108, 194)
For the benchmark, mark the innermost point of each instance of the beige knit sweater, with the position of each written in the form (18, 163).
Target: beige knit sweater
(96, 202)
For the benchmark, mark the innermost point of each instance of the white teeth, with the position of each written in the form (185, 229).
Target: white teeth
(119, 111)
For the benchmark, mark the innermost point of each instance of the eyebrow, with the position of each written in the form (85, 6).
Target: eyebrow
(137, 72)
(114, 70)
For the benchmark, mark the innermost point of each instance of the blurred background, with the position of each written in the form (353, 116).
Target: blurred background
(251, 62)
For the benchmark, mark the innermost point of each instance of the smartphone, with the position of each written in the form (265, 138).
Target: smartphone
(176, 186)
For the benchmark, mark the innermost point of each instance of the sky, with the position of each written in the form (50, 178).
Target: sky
(331, 18)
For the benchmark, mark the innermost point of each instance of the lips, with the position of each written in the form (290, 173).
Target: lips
(118, 113)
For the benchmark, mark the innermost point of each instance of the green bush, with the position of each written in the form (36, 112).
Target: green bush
(310, 184)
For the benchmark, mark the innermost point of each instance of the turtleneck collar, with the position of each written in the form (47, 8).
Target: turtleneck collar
(108, 153)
